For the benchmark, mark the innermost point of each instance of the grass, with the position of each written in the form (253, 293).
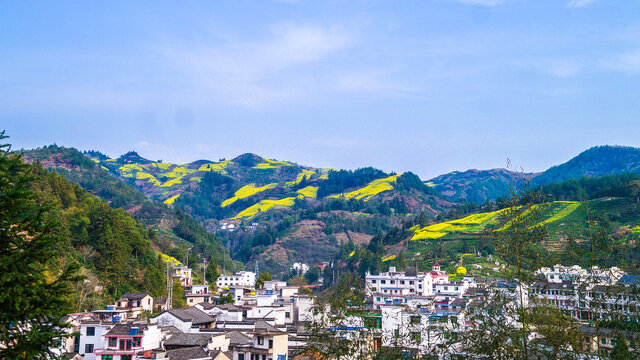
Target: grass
(373, 188)
(263, 206)
(246, 191)
(309, 191)
(171, 200)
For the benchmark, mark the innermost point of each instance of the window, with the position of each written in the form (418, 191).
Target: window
(383, 281)
(91, 331)
(396, 332)
(136, 342)
(240, 356)
(415, 336)
(88, 348)
(270, 344)
(287, 315)
(126, 344)
(415, 320)
(604, 341)
(125, 357)
(112, 341)
(392, 282)
(377, 298)
(107, 357)
(373, 281)
(411, 282)
(260, 340)
(402, 282)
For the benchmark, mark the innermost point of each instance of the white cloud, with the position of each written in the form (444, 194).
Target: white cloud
(579, 3)
(628, 63)
(259, 74)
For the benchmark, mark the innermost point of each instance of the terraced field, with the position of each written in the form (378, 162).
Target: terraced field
(485, 222)
(373, 188)
(262, 206)
(246, 191)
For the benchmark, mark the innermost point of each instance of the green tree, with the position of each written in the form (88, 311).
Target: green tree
(226, 299)
(312, 275)
(621, 350)
(35, 287)
(262, 278)
(212, 273)
(178, 295)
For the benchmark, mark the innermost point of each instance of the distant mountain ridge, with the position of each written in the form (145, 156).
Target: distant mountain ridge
(480, 186)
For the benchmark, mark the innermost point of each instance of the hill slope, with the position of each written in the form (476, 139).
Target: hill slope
(171, 227)
(596, 161)
(481, 185)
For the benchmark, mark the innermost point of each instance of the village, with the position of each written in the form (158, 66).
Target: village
(416, 312)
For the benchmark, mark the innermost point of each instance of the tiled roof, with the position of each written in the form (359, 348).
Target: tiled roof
(188, 354)
(237, 338)
(126, 329)
(195, 315)
(188, 339)
(134, 296)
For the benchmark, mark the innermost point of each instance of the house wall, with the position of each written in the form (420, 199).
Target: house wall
(97, 340)
(167, 319)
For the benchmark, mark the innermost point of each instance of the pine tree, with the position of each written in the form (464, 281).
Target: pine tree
(34, 287)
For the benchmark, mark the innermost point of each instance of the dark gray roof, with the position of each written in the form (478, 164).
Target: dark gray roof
(171, 330)
(207, 306)
(188, 339)
(126, 329)
(195, 352)
(195, 315)
(261, 326)
(229, 307)
(134, 296)
(238, 338)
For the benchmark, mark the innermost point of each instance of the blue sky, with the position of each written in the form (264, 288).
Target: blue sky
(429, 86)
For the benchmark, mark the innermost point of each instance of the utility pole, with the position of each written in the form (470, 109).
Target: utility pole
(169, 287)
(204, 271)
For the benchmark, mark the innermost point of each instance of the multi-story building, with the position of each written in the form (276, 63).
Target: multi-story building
(242, 278)
(183, 273)
(124, 341)
(394, 283)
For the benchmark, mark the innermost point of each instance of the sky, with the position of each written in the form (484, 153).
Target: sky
(428, 86)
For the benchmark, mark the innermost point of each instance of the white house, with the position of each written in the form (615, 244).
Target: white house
(242, 278)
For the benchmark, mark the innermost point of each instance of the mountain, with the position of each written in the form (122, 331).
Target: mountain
(114, 250)
(596, 161)
(478, 186)
(173, 230)
(266, 211)
(481, 185)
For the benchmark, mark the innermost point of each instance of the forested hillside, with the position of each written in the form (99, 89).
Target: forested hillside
(114, 250)
(174, 231)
